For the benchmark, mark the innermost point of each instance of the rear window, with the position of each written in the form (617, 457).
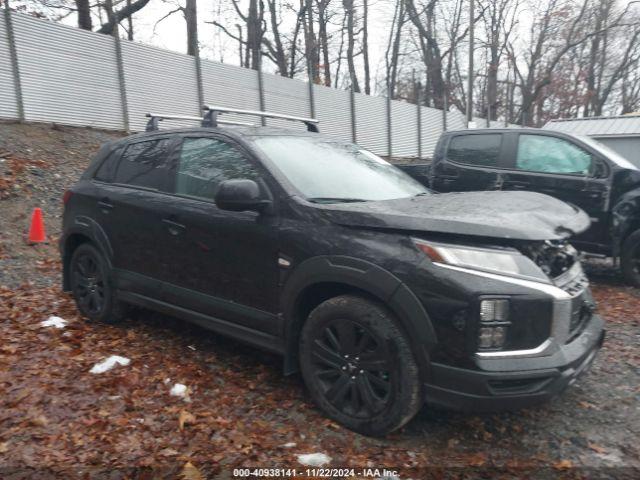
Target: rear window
(144, 164)
(482, 150)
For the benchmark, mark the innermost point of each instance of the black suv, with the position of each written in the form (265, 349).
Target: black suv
(575, 169)
(383, 294)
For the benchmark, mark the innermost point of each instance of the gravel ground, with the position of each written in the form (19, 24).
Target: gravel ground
(591, 431)
(37, 163)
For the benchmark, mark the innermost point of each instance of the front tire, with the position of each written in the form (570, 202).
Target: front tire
(358, 365)
(91, 286)
(630, 259)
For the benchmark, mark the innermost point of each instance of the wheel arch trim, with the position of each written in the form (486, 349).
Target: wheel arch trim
(364, 276)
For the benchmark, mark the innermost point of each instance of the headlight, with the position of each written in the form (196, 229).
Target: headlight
(507, 261)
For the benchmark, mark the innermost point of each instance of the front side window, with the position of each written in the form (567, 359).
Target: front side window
(481, 150)
(144, 164)
(538, 153)
(327, 171)
(205, 162)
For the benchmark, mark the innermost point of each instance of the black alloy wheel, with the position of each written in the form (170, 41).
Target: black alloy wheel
(91, 286)
(354, 368)
(359, 366)
(88, 284)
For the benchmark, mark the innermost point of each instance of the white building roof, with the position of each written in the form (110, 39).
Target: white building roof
(622, 126)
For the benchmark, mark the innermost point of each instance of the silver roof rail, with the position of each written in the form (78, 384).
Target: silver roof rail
(213, 111)
(155, 118)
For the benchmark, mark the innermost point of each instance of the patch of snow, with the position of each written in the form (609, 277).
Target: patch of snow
(179, 390)
(313, 459)
(54, 321)
(289, 445)
(109, 363)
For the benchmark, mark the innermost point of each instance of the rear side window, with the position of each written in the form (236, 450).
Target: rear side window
(144, 164)
(108, 166)
(205, 162)
(481, 150)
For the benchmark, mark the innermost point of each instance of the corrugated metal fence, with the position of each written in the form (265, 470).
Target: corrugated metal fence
(61, 74)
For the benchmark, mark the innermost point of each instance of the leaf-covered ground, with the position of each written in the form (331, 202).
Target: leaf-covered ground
(59, 420)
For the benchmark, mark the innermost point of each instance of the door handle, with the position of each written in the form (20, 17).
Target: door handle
(105, 205)
(174, 228)
(520, 185)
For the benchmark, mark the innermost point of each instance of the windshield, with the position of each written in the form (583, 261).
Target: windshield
(326, 171)
(607, 152)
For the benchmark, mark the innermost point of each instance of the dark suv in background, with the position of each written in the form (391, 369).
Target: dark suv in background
(383, 294)
(575, 169)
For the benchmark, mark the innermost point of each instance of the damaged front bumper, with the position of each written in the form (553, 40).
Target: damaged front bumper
(516, 383)
(506, 380)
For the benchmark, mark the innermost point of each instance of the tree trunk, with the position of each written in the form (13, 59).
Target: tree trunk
(84, 14)
(431, 53)
(191, 17)
(365, 47)
(349, 12)
(281, 58)
(324, 40)
(129, 23)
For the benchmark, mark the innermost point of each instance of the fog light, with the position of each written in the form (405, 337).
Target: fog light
(492, 337)
(494, 310)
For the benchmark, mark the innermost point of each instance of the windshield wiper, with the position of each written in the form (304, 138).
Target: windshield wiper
(335, 200)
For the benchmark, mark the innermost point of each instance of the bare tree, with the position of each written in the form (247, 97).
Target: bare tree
(349, 11)
(500, 20)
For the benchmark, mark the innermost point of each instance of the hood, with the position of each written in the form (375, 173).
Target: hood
(498, 214)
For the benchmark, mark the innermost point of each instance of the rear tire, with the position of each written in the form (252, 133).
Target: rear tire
(358, 365)
(92, 287)
(630, 259)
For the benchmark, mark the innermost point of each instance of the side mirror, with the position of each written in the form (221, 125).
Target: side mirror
(240, 195)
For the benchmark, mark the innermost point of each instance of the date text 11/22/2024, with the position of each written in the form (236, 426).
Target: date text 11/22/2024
(314, 472)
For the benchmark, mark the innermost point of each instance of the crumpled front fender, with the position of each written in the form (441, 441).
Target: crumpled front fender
(625, 218)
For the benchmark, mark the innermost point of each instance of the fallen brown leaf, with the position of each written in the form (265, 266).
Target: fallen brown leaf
(190, 472)
(563, 465)
(185, 418)
(597, 448)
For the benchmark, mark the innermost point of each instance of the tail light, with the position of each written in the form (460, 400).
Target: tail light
(67, 195)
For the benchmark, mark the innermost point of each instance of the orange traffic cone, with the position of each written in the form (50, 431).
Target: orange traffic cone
(36, 231)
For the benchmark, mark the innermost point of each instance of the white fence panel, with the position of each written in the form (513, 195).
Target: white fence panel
(371, 113)
(456, 120)
(158, 81)
(70, 76)
(431, 124)
(404, 129)
(232, 87)
(8, 101)
(67, 75)
(333, 111)
(287, 96)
